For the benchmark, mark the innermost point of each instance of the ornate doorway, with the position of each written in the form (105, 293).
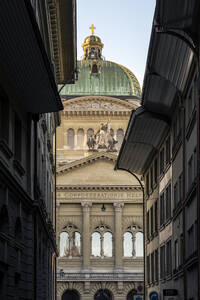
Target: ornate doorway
(71, 295)
(103, 294)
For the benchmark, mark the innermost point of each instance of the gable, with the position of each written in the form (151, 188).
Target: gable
(97, 172)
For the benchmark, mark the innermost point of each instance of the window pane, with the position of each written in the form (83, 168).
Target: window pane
(96, 244)
(139, 244)
(76, 244)
(107, 244)
(64, 244)
(128, 244)
(70, 138)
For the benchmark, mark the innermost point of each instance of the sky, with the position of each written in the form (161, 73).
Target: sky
(124, 27)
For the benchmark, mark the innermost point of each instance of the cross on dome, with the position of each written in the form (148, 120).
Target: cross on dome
(92, 28)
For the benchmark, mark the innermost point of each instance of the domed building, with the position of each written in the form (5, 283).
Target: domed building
(99, 210)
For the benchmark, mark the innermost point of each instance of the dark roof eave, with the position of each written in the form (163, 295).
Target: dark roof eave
(24, 61)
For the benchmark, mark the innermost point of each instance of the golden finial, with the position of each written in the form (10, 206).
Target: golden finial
(92, 28)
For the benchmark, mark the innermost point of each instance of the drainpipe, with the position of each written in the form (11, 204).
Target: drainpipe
(183, 199)
(144, 233)
(35, 120)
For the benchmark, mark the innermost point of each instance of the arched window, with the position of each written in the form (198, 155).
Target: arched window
(80, 138)
(70, 138)
(96, 244)
(133, 241)
(70, 295)
(102, 242)
(131, 295)
(107, 244)
(103, 294)
(90, 133)
(64, 244)
(128, 244)
(139, 244)
(120, 137)
(70, 242)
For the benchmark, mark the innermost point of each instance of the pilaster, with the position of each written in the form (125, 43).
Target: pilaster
(118, 236)
(86, 206)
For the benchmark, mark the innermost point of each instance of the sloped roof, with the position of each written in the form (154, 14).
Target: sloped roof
(86, 160)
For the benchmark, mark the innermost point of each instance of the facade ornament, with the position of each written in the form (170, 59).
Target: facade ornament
(86, 206)
(118, 206)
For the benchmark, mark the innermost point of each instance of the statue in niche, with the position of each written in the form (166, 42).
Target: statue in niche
(103, 139)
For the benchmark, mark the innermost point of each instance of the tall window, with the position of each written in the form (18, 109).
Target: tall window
(102, 242)
(162, 209)
(128, 244)
(175, 195)
(156, 265)
(168, 202)
(80, 138)
(70, 138)
(156, 216)
(133, 242)
(152, 223)
(147, 184)
(155, 170)
(139, 244)
(168, 150)
(176, 256)
(120, 137)
(162, 262)
(152, 267)
(70, 242)
(161, 161)
(168, 258)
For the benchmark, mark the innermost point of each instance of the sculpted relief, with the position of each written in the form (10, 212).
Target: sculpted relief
(96, 105)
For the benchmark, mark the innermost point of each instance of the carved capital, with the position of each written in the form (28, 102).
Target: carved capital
(118, 206)
(86, 206)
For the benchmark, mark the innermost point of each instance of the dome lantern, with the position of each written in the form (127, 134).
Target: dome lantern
(92, 46)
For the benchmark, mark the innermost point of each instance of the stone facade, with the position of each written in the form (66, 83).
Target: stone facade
(86, 185)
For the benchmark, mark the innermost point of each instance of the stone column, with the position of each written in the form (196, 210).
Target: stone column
(86, 235)
(118, 236)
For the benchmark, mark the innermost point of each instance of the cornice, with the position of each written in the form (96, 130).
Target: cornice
(98, 188)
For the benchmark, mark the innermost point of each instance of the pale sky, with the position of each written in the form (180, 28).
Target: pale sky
(124, 27)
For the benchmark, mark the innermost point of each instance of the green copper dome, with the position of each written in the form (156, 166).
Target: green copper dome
(109, 79)
(97, 76)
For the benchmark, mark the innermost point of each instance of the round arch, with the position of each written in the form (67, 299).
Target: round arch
(103, 294)
(70, 295)
(131, 294)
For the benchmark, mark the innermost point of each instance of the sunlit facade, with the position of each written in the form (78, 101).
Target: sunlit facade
(99, 210)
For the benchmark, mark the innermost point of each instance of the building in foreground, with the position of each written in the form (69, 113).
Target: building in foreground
(164, 137)
(29, 106)
(99, 210)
